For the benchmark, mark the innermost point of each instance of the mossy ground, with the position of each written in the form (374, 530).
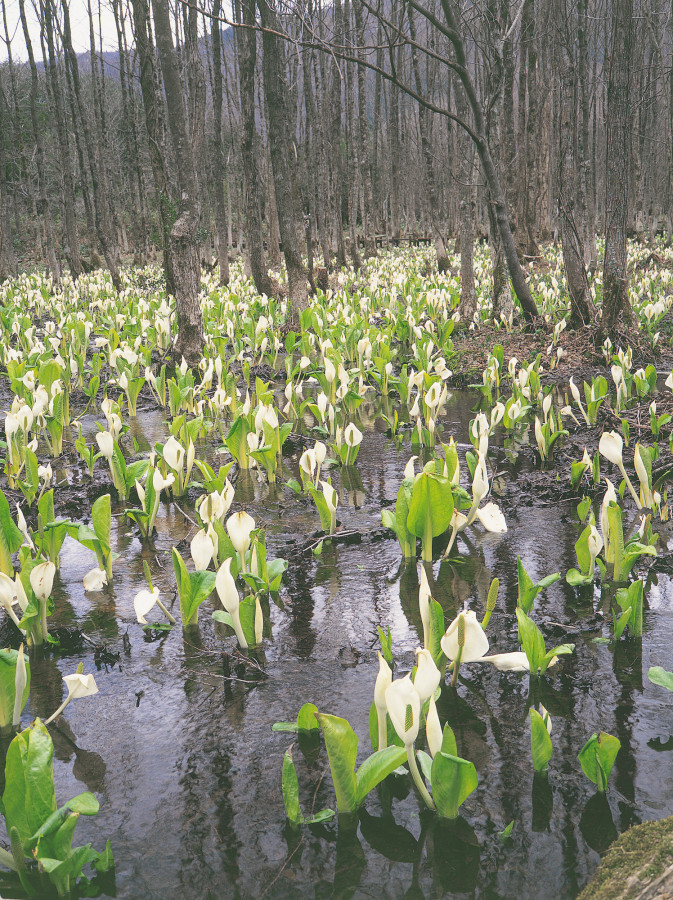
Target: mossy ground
(638, 866)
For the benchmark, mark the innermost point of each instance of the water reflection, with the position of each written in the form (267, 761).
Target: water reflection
(179, 744)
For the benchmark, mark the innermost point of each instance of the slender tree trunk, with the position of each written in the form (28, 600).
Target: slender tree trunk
(100, 202)
(570, 210)
(152, 109)
(8, 266)
(218, 149)
(70, 230)
(368, 215)
(43, 202)
(499, 205)
(424, 125)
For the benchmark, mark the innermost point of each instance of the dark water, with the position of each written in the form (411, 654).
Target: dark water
(178, 744)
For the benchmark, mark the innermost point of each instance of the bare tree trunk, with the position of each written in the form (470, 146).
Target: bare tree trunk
(43, 202)
(218, 150)
(587, 174)
(499, 206)
(428, 162)
(466, 172)
(183, 238)
(616, 304)
(281, 145)
(8, 267)
(247, 53)
(152, 109)
(141, 231)
(529, 220)
(368, 216)
(70, 231)
(570, 210)
(100, 201)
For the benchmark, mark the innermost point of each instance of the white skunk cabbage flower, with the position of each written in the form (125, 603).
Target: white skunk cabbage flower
(476, 642)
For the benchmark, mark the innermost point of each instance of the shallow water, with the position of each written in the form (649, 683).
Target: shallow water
(178, 744)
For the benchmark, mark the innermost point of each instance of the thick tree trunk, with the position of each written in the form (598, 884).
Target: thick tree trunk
(183, 238)
(571, 209)
(616, 306)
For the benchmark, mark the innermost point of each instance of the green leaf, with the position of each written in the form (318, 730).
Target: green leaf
(583, 508)
(404, 536)
(291, 789)
(323, 509)
(540, 741)
(377, 767)
(431, 500)
(29, 798)
(10, 537)
(506, 833)
(449, 745)
(529, 591)
(306, 717)
(660, 676)
(453, 780)
(597, 758)
(101, 516)
(85, 804)
(8, 660)
(436, 631)
(531, 640)
(193, 589)
(342, 747)
(105, 860)
(386, 641)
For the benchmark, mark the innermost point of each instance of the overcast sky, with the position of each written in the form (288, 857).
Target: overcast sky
(79, 21)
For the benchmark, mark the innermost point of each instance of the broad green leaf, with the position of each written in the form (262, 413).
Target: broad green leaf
(291, 789)
(540, 741)
(306, 717)
(436, 631)
(453, 780)
(583, 508)
(597, 758)
(342, 747)
(449, 745)
(29, 798)
(431, 503)
(561, 650)
(101, 517)
(377, 767)
(85, 804)
(531, 640)
(660, 676)
(8, 660)
(10, 537)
